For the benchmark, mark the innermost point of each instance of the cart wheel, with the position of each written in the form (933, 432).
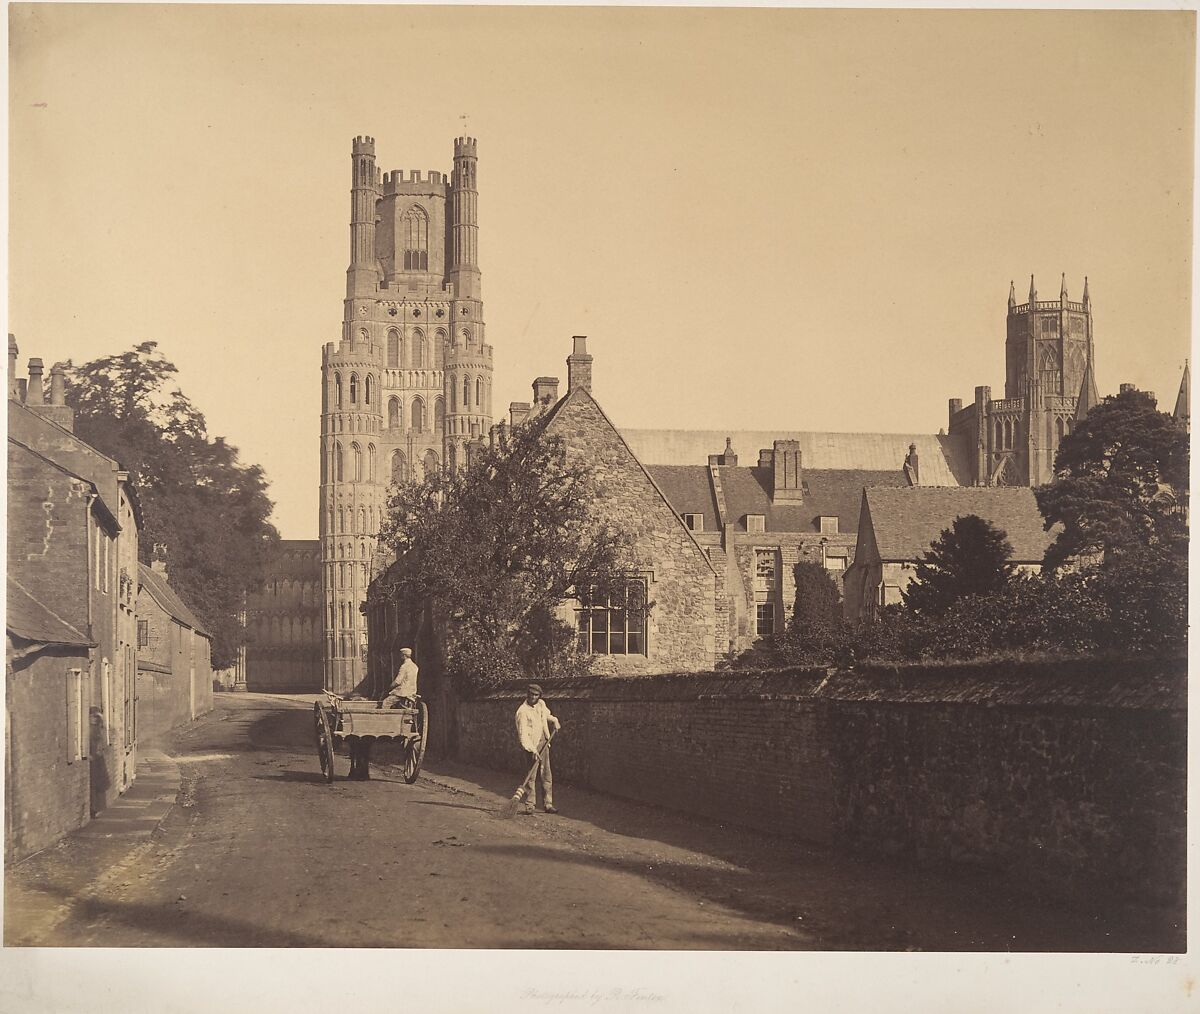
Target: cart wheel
(414, 753)
(324, 742)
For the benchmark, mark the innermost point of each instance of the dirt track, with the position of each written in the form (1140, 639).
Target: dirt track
(259, 851)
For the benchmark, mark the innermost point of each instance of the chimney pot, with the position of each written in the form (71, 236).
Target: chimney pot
(34, 394)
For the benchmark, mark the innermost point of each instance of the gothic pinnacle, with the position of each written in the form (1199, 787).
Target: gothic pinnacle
(1062, 293)
(1032, 291)
(1087, 300)
(1012, 294)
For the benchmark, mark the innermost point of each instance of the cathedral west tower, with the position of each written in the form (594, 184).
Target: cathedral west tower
(408, 387)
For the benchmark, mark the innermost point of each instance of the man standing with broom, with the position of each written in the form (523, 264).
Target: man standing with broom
(534, 725)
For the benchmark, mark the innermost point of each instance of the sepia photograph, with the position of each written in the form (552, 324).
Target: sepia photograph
(715, 479)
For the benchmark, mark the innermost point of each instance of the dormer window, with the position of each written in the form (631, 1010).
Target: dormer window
(829, 524)
(695, 522)
(756, 522)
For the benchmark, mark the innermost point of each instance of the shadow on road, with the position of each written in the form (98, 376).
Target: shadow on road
(178, 925)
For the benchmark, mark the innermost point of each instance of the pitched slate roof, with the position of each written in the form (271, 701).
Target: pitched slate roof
(943, 459)
(907, 521)
(166, 597)
(32, 620)
(688, 491)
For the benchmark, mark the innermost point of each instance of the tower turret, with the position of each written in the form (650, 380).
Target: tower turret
(1012, 296)
(463, 267)
(362, 277)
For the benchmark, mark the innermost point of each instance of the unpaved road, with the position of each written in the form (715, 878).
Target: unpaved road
(259, 851)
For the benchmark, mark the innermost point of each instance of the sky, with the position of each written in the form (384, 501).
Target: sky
(762, 219)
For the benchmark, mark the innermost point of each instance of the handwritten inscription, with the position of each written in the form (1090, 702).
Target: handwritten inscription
(591, 997)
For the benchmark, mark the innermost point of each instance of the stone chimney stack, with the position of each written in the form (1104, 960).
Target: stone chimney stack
(518, 412)
(545, 392)
(58, 384)
(34, 393)
(912, 468)
(726, 457)
(579, 365)
(14, 387)
(788, 486)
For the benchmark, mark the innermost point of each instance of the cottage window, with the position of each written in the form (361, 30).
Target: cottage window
(765, 619)
(695, 522)
(613, 624)
(829, 524)
(835, 563)
(143, 633)
(756, 523)
(764, 570)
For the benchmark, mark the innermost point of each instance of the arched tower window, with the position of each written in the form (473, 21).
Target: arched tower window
(439, 415)
(338, 462)
(337, 390)
(362, 520)
(357, 455)
(439, 349)
(1058, 431)
(453, 394)
(418, 414)
(999, 437)
(430, 462)
(466, 393)
(399, 467)
(371, 462)
(353, 388)
(418, 351)
(341, 520)
(394, 411)
(367, 390)
(478, 392)
(393, 349)
(414, 234)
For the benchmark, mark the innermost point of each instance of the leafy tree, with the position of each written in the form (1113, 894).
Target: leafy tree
(497, 547)
(1120, 484)
(206, 512)
(968, 558)
(818, 601)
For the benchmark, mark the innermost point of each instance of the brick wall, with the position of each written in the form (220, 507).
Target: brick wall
(46, 792)
(1064, 777)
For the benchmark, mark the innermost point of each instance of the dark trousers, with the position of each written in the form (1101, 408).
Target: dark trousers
(360, 759)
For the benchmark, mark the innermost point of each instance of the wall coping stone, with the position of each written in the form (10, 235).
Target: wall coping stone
(1158, 684)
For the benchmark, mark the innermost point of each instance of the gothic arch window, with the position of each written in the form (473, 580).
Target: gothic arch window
(466, 393)
(1058, 431)
(393, 348)
(998, 439)
(364, 172)
(418, 351)
(394, 411)
(371, 520)
(339, 462)
(367, 390)
(1008, 433)
(466, 337)
(356, 451)
(439, 349)
(364, 336)
(414, 234)
(399, 466)
(341, 520)
(371, 462)
(453, 393)
(439, 414)
(353, 388)
(430, 462)
(337, 390)
(478, 392)
(418, 415)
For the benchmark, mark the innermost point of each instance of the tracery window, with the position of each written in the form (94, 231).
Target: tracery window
(414, 232)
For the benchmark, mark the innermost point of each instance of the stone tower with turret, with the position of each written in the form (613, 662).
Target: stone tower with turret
(1049, 385)
(408, 386)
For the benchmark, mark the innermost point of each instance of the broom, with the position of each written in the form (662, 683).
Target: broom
(509, 809)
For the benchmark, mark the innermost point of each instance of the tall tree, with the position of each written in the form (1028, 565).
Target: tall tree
(1120, 484)
(204, 512)
(971, 557)
(498, 546)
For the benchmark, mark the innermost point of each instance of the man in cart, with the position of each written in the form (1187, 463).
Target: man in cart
(404, 686)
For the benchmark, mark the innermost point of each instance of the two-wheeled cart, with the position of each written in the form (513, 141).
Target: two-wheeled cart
(347, 721)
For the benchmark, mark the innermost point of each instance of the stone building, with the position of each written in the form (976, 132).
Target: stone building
(1049, 385)
(673, 573)
(409, 383)
(283, 622)
(897, 527)
(174, 658)
(71, 723)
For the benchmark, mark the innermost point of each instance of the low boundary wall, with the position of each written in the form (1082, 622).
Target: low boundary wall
(1065, 775)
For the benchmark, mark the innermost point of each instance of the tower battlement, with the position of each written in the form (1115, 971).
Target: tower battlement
(397, 182)
(363, 146)
(464, 146)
